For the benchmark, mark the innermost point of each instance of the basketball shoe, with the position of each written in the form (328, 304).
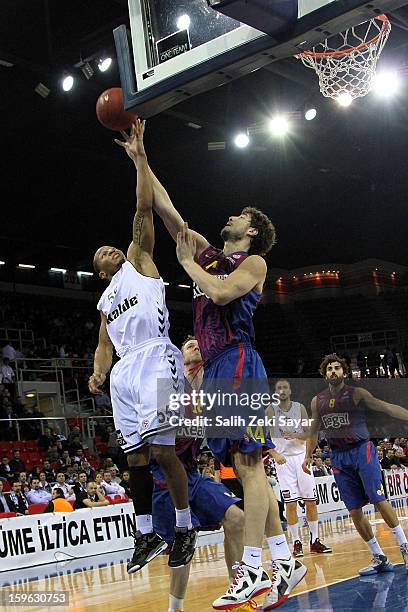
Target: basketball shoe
(147, 547)
(404, 553)
(183, 547)
(286, 574)
(297, 548)
(379, 564)
(248, 582)
(249, 606)
(319, 547)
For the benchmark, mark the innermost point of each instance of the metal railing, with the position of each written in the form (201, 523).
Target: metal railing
(17, 335)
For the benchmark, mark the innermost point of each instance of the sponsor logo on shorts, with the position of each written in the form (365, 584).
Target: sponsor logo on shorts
(286, 494)
(145, 424)
(229, 494)
(380, 490)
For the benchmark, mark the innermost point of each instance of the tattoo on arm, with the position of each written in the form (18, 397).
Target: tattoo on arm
(137, 228)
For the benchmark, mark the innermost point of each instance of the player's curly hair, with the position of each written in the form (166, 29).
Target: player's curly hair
(264, 240)
(330, 359)
(189, 337)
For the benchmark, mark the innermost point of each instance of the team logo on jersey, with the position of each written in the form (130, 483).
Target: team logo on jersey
(335, 420)
(121, 308)
(236, 256)
(111, 295)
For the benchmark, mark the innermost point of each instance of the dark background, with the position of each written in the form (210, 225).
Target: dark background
(335, 187)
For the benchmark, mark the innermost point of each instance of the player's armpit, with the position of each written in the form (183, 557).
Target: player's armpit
(250, 275)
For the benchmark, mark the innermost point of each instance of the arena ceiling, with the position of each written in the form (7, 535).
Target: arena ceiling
(335, 187)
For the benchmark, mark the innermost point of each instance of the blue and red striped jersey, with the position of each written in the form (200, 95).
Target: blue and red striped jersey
(343, 421)
(217, 327)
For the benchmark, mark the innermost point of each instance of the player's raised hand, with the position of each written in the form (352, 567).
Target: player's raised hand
(95, 382)
(186, 245)
(133, 143)
(306, 465)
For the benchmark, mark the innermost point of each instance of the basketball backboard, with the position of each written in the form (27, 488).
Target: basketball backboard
(179, 48)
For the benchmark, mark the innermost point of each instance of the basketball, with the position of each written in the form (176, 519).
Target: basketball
(110, 111)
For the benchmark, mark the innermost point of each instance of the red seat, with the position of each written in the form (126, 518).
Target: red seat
(35, 457)
(110, 500)
(72, 502)
(36, 508)
(7, 514)
(6, 486)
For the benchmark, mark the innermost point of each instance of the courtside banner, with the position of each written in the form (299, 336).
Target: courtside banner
(396, 484)
(28, 541)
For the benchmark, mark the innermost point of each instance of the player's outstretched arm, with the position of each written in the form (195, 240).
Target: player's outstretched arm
(373, 403)
(312, 440)
(170, 216)
(251, 273)
(102, 359)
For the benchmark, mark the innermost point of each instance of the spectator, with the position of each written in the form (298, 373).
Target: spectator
(25, 485)
(99, 481)
(87, 468)
(4, 502)
(79, 456)
(49, 472)
(125, 483)
(108, 464)
(17, 465)
(326, 452)
(65, 461)
(18, 502)
(74, 446)
(5, 469)
(58, 435)
(80, 491)
(328, 466)
(103, 404)
(8, 378)
(74, 433)
(35, 473)
(46, 439)
(110, 487)
(400, 459)
(52, 453)
(9, 352)
(37, 495)
(388, 460)
(115, 476)
(58, 502)
(43, 484)
(396, 446)
(94, 497)
(61, 484)
(318, 468)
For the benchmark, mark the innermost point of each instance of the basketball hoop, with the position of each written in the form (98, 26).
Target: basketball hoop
(345, 63)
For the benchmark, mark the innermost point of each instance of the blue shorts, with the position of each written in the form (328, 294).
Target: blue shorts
(209, 502)
(242, 369)
(358, 475)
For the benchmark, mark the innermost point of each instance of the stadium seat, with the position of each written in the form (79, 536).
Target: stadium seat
(110, 500)
(36, 508)
(7, 514)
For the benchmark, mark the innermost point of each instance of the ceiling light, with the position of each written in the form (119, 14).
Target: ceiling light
(67, 82)
(183, 22)
(62, 270)
(166, 283)
(279, 125)
(26, 266)
(184, 286)
(310, 114)
(386, 83)
(241, 140)
(104, 64)
(344, 99)
(2, 263)
(80, 273)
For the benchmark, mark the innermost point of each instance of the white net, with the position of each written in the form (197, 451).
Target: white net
(346, 63)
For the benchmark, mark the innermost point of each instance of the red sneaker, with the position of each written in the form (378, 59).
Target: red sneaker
(297, 548)
(319, 547)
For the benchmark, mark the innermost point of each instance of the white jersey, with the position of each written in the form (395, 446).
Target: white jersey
(288, 447)
(135, 308)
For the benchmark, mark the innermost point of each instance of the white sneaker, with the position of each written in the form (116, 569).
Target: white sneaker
(404, 553)
(285, 576)
(248, 582)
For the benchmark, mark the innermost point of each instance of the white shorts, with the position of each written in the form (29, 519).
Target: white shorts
(294, 483)
(141, 384)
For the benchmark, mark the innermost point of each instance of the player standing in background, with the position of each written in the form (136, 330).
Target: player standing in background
(340, 412)
(228, 285)
(134, 320)
(289, 455)
(211, 503)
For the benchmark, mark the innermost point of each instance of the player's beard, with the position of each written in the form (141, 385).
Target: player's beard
(226, 234)
(336, 381)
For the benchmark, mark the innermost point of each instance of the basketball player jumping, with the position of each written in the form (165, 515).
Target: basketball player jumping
(228, 286)
(134, 320)
(289, 454)
(211, 502)
(340, 412)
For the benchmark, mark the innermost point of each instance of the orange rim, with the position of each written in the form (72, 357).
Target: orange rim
(385, 28)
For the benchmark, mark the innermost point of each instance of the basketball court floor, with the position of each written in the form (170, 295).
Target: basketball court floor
(332, 583)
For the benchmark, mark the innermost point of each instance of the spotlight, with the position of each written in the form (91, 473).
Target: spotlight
(80, 273)
(104, 64)
(279, 125)
(67, 82)
(184, 286)
(62, 270)
(183, 22)
(26, 266)
(241, 140)
(310, 114)
(87, 71)
(386, 84)
(344, 99)
(42, 90)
